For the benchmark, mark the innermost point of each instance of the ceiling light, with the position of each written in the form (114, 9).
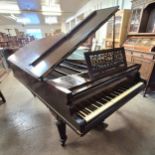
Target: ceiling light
(12, 16)
(23, 20)
(53, 10)
(9, 8)
(49, 2)
(20, 19)
(51, 20)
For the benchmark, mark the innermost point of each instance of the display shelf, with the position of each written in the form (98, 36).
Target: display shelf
(121, 23)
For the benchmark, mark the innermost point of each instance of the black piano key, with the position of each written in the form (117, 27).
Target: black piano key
(109, 97)
(113, 94)
(116, 92)
(82, 114)
(104, 100)
(94, 104)
(80, 106)
(94, 101)
(88, 109)
(99, 103)
(90, 103)
(122, 88)
(91, 108)
(125, 86)
(120, 91)
(85, 111)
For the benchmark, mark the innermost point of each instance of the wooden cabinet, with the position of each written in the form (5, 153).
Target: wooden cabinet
(121, 24)
(147, 62)
(146, 66)
(135, 20)
(140, 42)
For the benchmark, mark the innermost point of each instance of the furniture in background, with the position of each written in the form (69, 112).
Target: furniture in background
(121, 24)
(9, 45)
(140, 43)
(15, 42)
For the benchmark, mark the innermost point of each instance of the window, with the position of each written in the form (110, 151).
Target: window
(35, 32)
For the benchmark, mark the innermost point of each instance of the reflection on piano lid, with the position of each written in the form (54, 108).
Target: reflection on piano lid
(78, 54)
(61, 47)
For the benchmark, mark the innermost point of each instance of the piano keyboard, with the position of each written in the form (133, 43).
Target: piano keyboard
(97, 107)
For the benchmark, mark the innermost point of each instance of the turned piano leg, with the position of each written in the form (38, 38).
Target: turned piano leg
(2, 97)
(145, 90)
(61, 126)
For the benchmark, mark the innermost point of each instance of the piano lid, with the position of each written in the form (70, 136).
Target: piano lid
(39, 56)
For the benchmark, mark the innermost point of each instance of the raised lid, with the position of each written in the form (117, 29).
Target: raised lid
(38, 57)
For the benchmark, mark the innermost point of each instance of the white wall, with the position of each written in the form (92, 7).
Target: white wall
(100, 4)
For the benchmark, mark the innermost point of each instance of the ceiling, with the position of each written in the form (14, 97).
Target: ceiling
(34, 12)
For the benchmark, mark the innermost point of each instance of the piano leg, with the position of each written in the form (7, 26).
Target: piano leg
(145, 90)
(33, 94)
(61, 125)
(2, 97)
(101, 126)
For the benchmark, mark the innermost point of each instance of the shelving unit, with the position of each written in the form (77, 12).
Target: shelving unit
(121, 24)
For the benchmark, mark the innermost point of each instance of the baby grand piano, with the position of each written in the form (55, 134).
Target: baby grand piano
(79, 95)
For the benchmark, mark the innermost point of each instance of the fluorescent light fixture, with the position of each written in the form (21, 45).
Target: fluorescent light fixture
(33, 31)
(53, 10)
(9, 8)
(51, 20)
(23, 20)
(20, 19)
(49, 2)
(12, 16)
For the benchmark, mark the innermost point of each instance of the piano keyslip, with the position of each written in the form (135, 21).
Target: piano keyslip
(110, 103)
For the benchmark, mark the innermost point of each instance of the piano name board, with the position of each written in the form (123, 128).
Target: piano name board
(103, 62)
